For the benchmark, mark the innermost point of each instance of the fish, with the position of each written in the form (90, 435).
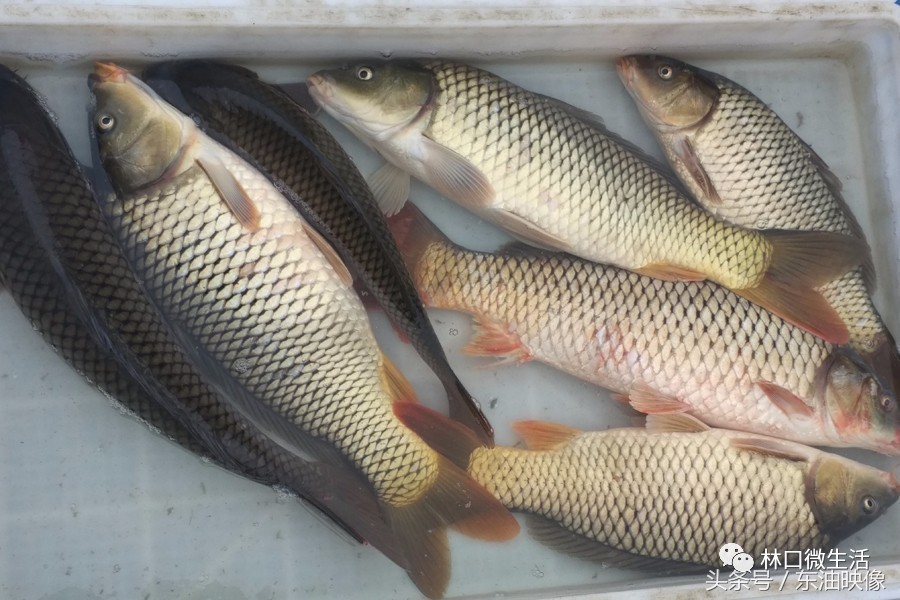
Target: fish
(67, 275)
(744, 163)
(556, 178)
(267, 310)
(285, 142)
(668, 496)
(664, 347)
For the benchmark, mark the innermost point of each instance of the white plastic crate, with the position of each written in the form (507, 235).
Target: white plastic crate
(94, 505)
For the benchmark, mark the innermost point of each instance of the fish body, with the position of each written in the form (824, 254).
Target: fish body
(667, 346)
(288, 144)
(558, 180)
(743, 162)
(263, 303)
(668, 497)
(68, 276)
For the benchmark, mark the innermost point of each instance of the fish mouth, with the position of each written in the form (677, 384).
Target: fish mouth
(319, 87)
(107, 72)
(626, 66)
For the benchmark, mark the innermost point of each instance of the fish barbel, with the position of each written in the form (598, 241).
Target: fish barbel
(558, 179)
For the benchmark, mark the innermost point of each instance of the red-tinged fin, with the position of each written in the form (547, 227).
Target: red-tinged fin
(490, 338)
(774, 447)
(110, 72)
(453, 500)
(449, 438)
(802, 261)
(454, 176)
(330, 254)
(647, 400)
(670, 272)
(675, 423)
(688, 157)
(787, 401)
(556, 536)
(540, 435)
(397, 384)
(414, 232)
(390, 188)
(230, 190)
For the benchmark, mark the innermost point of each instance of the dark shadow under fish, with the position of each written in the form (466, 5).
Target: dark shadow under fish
(66, 274)
(266, 127)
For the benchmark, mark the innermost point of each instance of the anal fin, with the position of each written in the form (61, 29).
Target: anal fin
(648, 400)
(494, 339)
(675, 423)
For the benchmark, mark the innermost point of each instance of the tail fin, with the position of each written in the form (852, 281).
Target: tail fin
(801, 262)
(414, 232)
(454, 499)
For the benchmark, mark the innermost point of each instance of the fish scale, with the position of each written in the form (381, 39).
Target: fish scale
(339, 397)
(623, 181)
(263, 122)
(52, 239)
(631, 493)
(764, 176)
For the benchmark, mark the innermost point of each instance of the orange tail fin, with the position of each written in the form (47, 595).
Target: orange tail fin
(454, 499)
(801, 262)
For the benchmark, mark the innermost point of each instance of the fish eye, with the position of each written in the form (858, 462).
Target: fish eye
(665, 72)
(869, 504)
(365, 73)
(887, 403)
(105, 122)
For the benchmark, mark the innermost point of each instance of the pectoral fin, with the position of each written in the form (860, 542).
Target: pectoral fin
(688, 157)
(493, 339)
(539, 435)
(230, 189)
(787, 401)
(330, 253)
(455, 177)
(772, 447)
(390, 187)
(668, 272)
(529, 232)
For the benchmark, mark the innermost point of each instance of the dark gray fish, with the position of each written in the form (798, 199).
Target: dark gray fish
(62, 266)
(263, 124)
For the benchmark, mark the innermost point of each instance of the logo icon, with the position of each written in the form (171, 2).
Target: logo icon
(728, 552)
(742, 562)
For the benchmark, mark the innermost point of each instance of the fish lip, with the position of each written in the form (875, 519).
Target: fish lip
(625, 66)
(107, 72)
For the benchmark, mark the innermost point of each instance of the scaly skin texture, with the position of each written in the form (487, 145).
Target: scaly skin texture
(765, 178)
(268, 306)
(58, 192)
(265, 123)
(582, 184)
(696, 342)
(673, 496)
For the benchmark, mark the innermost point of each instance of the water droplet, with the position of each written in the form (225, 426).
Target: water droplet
(241, 365)
(536, 571)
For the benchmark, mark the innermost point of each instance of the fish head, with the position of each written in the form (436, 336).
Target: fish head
(139, 135)
(863, 411)
(672, 95)
(845, 495)
(377, 99)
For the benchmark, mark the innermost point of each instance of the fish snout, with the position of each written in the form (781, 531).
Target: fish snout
(319, 86)
(107, 72)
(626, 66)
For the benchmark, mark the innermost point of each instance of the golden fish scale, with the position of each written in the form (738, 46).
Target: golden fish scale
(697, 342)
(269, 308)
(743, 139)
(578, 183)
(673, 496)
